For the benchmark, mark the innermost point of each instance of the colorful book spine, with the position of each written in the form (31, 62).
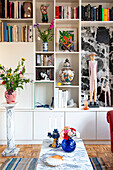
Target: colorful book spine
(19, 9)
(102, 14)
(74, 12)
(5, 8)
(94, 13)
(10, 33)
(105, 14)
(69, 12)
(60, 9)
(65, 12)
(7, 34)
(108, 16)
(57, 12)
(62, 13)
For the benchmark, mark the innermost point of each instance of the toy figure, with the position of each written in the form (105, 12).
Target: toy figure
(43, 9)
(86, 103)
(106, 89)
(93, 79)
(55, 137)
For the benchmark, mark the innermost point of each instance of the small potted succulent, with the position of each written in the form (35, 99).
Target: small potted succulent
(12, 80)
(46, 35)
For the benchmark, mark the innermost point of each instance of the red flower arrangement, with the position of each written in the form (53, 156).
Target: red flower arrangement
(67, 133)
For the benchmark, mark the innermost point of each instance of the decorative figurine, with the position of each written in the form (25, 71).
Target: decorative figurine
(43, 9)
(55, 137)
(44, 76)
(93, 80)
(67, 73)
(106, 89)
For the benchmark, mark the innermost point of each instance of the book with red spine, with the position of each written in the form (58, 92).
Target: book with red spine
(76, 13)
(10, 8)
(108, 17)
(57, 12)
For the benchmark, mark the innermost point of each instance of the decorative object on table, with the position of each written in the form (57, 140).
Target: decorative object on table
(27, 7)
(46, 35)
(12, 80)
(106, 89)
(67, 39)
(43, 9)
(86, 103)
(66, 135)
(38, 104)
(55, 137)
(19, 163)
(10, 150)
(70, 103)
(59, 84)
(44, 76)
(66, 74)
(45, 60)
(93, 80)
(54, 160)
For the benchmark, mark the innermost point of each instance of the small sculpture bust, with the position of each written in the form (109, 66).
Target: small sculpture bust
(55, 137)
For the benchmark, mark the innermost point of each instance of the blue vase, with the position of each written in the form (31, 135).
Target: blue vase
(68, 145)
(45, 46)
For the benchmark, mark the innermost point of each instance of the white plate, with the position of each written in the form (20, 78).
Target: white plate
(53, 161)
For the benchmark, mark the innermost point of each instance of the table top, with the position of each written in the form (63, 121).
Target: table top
(77, 159)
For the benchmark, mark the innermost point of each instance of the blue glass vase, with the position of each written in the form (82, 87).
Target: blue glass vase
(68, 145)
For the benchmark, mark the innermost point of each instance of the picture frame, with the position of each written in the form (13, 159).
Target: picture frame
(67, 39)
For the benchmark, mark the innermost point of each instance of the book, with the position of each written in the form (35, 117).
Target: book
(65, 12)
(6, 33)
(19, 9)
(15, 10)
(5, 8)
(38, 60)
(30, 33)
(89, 12)
(105, 14)
(60, 98)
(111, 14)
(108, 16)
(97, 14)
(56, 98)
(94, 13)
(0, 31)
(10, 33)
(57, 12)
(69, 12)
(82, 13)
(12, 10)
(74, 12)
(86, 13)
(60, 10)
(0, 8)
(102, 14)
(42, 60)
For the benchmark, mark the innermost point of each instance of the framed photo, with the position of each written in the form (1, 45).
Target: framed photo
(67, 39)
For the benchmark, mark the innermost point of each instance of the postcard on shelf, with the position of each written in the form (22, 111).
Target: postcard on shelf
(66, 39)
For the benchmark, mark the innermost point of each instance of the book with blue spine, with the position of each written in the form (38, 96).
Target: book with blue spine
(94, 13)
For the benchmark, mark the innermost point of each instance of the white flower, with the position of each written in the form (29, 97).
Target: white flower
(78, 134)
(38, 38)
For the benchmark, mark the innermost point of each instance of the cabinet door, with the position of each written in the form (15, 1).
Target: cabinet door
(45, 122)
(84, 122)
(23, 125)
(103, 129)
(3, 126)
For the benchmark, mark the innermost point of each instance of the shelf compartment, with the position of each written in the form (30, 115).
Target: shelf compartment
(43, 94)
(48, 71)
(74, 62)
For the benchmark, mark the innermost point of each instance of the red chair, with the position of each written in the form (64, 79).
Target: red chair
(110, 121)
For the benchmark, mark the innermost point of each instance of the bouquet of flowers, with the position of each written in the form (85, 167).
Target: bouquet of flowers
(13, 79)
(67, 133)
(46, 35)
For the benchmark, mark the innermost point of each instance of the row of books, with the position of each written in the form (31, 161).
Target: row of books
(61, 98)
(15, 33)
(44, 60)
(66, 12)
(11, 9)
(91, 13)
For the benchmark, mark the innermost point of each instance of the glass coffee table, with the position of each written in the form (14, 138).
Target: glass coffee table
(77, 159)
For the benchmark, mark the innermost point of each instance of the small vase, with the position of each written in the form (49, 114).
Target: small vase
(68, 145)
(45, 46)
(10, 96)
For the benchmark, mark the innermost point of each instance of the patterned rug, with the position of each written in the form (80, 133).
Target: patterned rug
(31, 164)
(19, 164)
(98, 164)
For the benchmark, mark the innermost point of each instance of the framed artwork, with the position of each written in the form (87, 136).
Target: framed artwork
(67, 39)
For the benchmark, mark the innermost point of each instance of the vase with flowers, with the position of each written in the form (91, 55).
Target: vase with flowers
(68, 144)
(13, 80)
(45, 35)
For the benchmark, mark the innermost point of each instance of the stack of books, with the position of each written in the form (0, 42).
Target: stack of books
(11, 9)
(66, 12)
(91, 13)
(15, 33)
(61, 98)
(44, 60)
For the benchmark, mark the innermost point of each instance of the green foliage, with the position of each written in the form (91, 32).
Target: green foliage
(13, 79)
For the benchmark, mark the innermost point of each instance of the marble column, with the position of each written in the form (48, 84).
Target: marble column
(10, 150)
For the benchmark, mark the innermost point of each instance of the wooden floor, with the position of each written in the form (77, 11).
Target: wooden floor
(30, 151)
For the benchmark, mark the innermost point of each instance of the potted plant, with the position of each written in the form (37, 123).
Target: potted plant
(46, 35)
(13, 80)
(66, 135)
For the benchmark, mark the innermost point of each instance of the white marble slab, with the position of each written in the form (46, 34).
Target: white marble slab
(77, 159)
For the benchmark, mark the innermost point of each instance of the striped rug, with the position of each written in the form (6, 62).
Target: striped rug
(98, 163)
(20, 164)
